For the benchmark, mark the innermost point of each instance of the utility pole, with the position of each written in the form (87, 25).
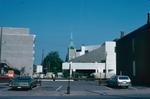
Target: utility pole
(99, 79)
(1, 30)
(42, 56)
(105, 65)
(68, 87)
(39, 74)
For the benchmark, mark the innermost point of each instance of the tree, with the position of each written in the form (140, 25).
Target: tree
(52, 63)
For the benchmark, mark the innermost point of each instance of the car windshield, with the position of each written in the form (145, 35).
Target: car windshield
(23, 79)
(123, 77)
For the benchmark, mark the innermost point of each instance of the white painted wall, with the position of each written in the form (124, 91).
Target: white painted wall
(39, 69)
(110, 58)
(98, 67)
(83, 66)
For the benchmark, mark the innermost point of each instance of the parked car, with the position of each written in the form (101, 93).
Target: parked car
(119, 81)
(25, 82)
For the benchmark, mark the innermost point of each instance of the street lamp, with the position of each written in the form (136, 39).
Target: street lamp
(68, 87)
(105, 65)
(100, 79)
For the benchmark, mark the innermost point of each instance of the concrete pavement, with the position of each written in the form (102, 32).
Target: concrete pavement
(78, 88)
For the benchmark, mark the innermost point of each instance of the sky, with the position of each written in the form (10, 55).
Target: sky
(91, 22)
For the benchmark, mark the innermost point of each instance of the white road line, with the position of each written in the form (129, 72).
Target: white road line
(55, 80)
(59, 88)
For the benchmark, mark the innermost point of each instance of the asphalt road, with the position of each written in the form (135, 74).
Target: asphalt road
(74, 97)
(78, 90)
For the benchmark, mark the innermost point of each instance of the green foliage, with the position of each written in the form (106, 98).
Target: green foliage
(52, 62)
(66, 73)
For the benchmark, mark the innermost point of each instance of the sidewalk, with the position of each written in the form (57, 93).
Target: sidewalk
(123, 92)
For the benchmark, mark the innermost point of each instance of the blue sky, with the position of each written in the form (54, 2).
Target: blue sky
(90, 21)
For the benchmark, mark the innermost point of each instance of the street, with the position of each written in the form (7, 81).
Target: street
(78, 89)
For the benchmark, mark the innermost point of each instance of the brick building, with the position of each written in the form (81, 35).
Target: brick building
(133, 52)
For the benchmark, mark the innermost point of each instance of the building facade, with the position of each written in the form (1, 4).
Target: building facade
(133, 51)
(101, 61)
(17, 48)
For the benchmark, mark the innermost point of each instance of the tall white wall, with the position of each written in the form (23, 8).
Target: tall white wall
(82, 50)
(110, 58)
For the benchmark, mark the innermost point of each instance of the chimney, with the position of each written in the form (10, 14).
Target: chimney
(121, 34)
(148, 18)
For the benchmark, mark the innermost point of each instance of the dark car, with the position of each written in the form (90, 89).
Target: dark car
(23, 82)
(119, 81)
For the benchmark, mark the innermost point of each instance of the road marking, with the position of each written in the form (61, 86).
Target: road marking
(108, 88)
(97, 92)
(59, 88)
(55, 80)
(132, 88)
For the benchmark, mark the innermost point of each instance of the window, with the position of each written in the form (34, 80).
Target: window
(86, 51)
(78, 50)
(103, 61)
(109, 70)
(123, 77)
(104, 70)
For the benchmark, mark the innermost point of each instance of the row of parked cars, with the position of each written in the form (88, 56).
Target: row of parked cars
(21, 82)
(28, 82)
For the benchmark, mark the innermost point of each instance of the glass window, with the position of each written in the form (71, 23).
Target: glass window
(123, 77)
(104, 70)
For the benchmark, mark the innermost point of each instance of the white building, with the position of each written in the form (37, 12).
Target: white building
(39, 69)
(102, 60)
(85, 49)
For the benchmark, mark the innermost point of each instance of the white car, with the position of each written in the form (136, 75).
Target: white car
(119, 81)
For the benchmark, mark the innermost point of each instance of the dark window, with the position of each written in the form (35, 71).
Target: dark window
(109, 70)
(78, 50)
(86, 51)
(104, 70)
(103, 61)
(122, 78)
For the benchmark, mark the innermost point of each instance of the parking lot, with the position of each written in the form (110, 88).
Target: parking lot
(77, 88)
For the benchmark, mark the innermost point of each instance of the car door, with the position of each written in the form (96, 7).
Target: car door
(111, 81)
